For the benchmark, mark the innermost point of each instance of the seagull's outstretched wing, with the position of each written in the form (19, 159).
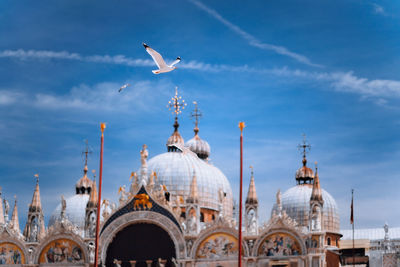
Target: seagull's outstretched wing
(123, 87)
(177, 60)
(156, 56)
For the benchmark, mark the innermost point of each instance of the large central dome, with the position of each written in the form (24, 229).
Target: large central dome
(175, 170)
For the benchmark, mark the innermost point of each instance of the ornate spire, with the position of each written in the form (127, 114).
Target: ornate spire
(14, 217)
(34, 228)
(93, 199)
(193, 195)
(316, 193)
(278, 202)
(36, 204)
(251, 194)
(176, 105)
(2, 221)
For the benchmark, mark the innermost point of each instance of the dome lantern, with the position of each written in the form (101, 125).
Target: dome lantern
(304, 175)
(176, 105)
(84, 185)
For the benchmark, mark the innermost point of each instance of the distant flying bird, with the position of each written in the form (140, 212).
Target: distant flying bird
(162, 66)
(123, 87)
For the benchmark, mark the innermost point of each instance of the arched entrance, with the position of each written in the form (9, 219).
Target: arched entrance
(140, 242)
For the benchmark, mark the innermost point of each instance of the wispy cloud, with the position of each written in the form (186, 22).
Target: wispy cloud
(45, 54)
(379, 9)
(8, 97)
(253, 41)
(102, 96)
(377, 89)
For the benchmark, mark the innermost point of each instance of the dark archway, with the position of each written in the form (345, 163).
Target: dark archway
(140, 242)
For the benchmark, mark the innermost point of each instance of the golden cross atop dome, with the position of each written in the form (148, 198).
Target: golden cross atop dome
(176, 105)
(87, 151)
(305, 147)
(196, 113)
(37, 177)
(252, 170)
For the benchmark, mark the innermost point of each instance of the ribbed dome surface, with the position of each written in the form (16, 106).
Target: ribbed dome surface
(199, 146)
(75, 210)
(175, 170)
(296, 202)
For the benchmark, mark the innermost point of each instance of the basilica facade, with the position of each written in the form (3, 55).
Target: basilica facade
(177, 211)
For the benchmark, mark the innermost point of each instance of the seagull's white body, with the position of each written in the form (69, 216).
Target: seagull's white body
(162, 66)
(123, 87)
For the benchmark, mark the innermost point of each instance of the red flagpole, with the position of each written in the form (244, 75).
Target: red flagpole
(241, 126)
(96, 258)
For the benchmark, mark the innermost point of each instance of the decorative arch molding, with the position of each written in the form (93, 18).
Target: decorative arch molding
(292, 234)
(5, 237)
(143, 201)
(214, 231)
(109, 233)
(73, 238)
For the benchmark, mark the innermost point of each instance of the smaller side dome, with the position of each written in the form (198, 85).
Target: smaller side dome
(199, 146)
(196, 144)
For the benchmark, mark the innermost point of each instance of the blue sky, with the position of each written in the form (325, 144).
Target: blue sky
(328, 69)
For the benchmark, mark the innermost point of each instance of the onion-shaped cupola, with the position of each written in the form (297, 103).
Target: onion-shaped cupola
(176, 105)
(196, 144)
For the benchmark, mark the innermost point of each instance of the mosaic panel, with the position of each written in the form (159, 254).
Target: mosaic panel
(219, 245)
(279, 244)
(11, 254)
(62, 251)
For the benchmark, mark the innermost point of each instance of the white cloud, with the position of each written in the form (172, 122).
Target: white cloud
(22, 54)
(9, 97)
(46, 54)
(105, 96)
(348, 82)
(141, 95)
(253, 41)
(380, 90)
(378, 9)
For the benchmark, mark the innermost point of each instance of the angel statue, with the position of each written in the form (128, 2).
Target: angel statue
(135, 183)
(123, 193)
(106, 204)
(144, 154)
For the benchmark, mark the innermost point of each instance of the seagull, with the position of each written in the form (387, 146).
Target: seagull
(123, 87)
(162, 66)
